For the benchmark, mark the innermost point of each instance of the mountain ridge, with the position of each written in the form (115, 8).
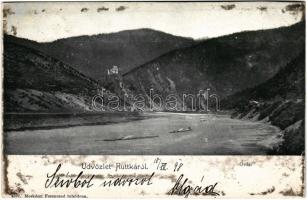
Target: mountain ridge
(201, 41)
(231, 63)
(226, 64)
(93, 55)
(117, 32)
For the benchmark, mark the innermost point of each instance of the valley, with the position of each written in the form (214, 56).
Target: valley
(258, 76)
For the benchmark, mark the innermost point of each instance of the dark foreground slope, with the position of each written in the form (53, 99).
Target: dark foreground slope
(226, 65)
(280, 101)
(34, 82)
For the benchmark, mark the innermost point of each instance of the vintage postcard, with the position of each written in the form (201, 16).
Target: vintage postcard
(153, 99)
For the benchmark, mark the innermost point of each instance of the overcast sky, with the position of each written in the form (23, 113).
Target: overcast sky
(54, 20)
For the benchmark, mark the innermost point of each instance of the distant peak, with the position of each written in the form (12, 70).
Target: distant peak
(141, 31)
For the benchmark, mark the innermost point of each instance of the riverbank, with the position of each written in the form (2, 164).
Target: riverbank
(45, 121)
(287, 115)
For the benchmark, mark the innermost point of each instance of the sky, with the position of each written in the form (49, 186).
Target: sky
(48, 21)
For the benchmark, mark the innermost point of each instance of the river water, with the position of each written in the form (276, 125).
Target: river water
(210, 135)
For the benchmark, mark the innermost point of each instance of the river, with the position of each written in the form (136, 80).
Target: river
(210, 135)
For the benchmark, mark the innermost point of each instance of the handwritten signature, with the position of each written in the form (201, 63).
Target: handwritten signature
(186, 189)
(181, 187)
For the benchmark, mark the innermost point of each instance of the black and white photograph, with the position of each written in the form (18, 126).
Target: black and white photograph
(154, 78)
(153, 99)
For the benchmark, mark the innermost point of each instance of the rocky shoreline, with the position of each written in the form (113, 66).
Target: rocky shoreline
(287, 115)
